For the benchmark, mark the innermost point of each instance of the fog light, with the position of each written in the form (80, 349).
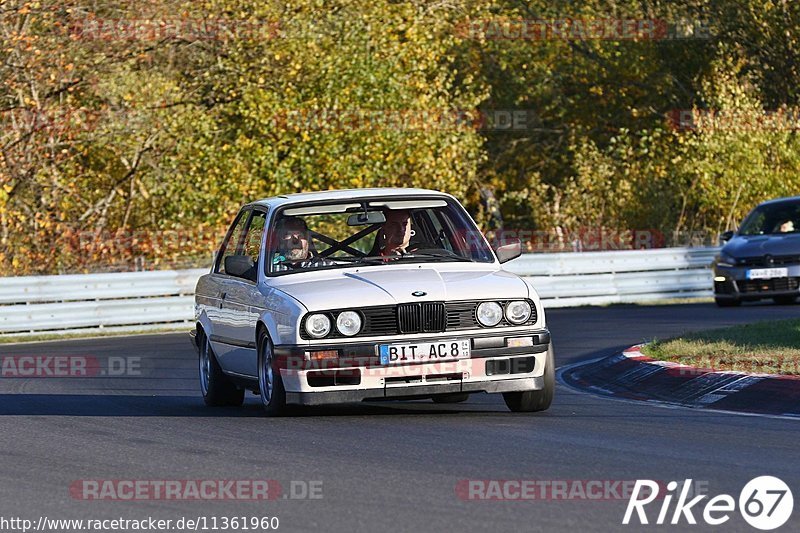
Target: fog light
(720, 278)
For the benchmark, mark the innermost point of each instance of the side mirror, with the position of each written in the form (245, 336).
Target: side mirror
(725, 237)
(511, 248)
(241, 266)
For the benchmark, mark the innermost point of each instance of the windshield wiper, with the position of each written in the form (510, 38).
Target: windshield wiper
(438, 254)
(368, 259)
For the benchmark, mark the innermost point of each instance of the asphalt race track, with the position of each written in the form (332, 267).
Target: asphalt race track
(384, 466)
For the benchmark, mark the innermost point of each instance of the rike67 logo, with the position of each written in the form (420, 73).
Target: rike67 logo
(765, 503)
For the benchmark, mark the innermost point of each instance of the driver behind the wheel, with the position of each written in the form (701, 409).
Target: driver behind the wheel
(293, 251)
(395, 234)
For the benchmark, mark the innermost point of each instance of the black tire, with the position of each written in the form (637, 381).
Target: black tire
(535, 400)
(270, 384)
(726, 302)
(455, 397)
(217, 389)
(784, 300)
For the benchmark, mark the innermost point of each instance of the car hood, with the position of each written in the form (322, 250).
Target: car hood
(760, 245)
(387, 286)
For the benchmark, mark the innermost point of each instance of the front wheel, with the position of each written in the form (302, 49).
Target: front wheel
(530, 401)
(270, 384)
(217, 389)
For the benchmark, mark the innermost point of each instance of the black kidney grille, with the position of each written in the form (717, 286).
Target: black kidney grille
(433, 317)
(428, 317)
(409, 318)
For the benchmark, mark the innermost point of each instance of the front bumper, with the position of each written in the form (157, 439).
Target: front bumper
(496, 364)
(412, 392)
(731, 283)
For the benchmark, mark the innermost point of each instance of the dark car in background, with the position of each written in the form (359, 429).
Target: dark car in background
(762, 258)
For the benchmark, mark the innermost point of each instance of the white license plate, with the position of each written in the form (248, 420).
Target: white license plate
(767, 273)
(424, 352)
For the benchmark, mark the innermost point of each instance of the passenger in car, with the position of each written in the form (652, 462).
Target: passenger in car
(787, 226)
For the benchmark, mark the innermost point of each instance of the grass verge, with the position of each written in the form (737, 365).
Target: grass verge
(764, 347)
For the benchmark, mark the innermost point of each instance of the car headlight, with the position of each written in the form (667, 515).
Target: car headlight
(489, 313)
(518, 312)
(318, 325)
(726, 260)
(348, 323)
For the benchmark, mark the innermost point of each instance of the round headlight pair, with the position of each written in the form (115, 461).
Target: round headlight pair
(491, 313)
(348, 323)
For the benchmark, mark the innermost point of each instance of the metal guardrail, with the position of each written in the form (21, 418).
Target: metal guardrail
(594, 278)
(64, 304)
(164, 299)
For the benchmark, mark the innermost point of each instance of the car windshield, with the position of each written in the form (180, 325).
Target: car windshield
(771, 219)
(373, 232)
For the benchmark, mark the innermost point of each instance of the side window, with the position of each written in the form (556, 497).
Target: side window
(232, 240)
(252, 242)
(441, 234)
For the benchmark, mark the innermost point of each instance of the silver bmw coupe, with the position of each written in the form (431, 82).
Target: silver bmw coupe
(364, 295)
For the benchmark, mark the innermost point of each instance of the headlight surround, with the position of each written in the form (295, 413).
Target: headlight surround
(726, 260)
(318, 325)
(518, 311)
(489, 313)
(348, 323)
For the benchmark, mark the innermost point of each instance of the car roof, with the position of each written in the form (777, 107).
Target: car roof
(787, 199)
(346, 194)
